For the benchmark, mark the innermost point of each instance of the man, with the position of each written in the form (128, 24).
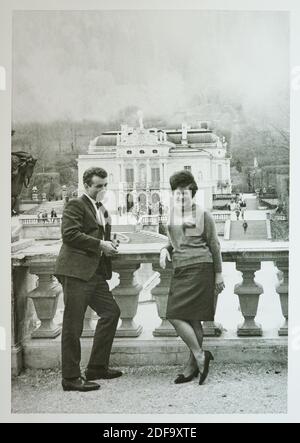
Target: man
(53, 215)
(83, 268)
(245, 227)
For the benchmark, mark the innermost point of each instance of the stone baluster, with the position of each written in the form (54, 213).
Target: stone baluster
(89, 323)
(282, 289)
(211, 328)
(160, 294)
(249, 293)
(127, 297)
(45, 298)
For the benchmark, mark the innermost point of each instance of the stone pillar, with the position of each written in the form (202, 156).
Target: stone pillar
(149, 177)
(282, 289)
(45, 298)
(127, 297)
(64, 192)
(160, 294)
(135, 173)
(249, 292)
(34, 193)
(211, 328)
(88, 325)
(16, 345)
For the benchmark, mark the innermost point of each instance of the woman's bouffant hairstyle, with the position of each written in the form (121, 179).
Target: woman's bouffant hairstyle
(182, 179)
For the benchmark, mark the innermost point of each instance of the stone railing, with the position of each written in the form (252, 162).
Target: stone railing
(221, 216)
(44, 296)
(40, 221)
(222, 196)
(150, 219)
(41, 229)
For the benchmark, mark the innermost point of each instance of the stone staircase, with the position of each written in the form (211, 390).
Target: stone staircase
(257, 230)
(252, 204)
(58, 206)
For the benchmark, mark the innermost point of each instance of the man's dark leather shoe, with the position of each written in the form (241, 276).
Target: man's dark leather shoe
(79, 384)
(106, 374)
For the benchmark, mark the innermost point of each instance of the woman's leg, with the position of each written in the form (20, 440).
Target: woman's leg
(187, 333)
(198, 329)
(192, 364)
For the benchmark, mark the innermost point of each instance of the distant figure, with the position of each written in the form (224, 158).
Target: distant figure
(232, 205)
(45, 216)
(150, 209)
(243, 213)
(39, 216)
(245, 227)
(237, 213)
(160, 209)
(53, 215)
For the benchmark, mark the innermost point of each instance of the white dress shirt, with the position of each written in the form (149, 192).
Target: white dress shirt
(99, 213)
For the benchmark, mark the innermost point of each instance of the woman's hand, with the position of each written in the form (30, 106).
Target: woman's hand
(220, 285)
(164, 256)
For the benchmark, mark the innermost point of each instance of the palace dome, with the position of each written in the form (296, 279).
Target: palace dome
(105, 140)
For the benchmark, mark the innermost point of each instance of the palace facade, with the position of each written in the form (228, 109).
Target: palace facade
(140, 161)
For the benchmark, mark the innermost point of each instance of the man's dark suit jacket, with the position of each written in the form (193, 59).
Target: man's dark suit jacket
(80, 254)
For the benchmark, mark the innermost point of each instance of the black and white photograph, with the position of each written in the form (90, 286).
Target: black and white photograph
(150, 211)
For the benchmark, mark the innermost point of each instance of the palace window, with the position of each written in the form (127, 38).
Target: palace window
(142, 151)
(129, 175)
(155, 175)
(220, 173)
(188, 168)
(129, 152)
(155, 151)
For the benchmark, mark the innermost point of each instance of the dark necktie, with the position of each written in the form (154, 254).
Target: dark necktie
(100, 205)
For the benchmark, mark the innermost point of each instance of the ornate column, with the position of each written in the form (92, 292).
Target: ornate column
(45, 297)
(127, 297)
(161, 175)
(249, 292)
(16, 345)
(135, 173)
(160, 294)
(282, 289)
(149, 177)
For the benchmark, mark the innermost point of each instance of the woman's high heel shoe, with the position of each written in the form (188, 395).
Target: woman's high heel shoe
(204, 374)
(183, 379)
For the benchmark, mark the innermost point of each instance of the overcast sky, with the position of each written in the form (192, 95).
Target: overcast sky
(92, 65)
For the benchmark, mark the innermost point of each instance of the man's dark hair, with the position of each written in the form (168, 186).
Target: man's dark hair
(89, 174)
(182, 179)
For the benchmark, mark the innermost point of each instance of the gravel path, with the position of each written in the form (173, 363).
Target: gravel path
(252, 389)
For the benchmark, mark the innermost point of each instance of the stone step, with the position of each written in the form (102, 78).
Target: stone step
(58, 206)
(257, 230)
(46, 354)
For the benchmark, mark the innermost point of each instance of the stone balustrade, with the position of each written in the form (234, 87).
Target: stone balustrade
(221, 216)
(40, 262)
(40, 221)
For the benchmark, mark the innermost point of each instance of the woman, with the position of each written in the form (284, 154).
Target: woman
(197, 276)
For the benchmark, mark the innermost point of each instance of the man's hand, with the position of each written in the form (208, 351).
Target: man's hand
(108, 249)
(220, 285)
(164, 256)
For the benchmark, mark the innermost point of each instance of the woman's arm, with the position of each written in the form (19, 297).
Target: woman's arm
(213, 241)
